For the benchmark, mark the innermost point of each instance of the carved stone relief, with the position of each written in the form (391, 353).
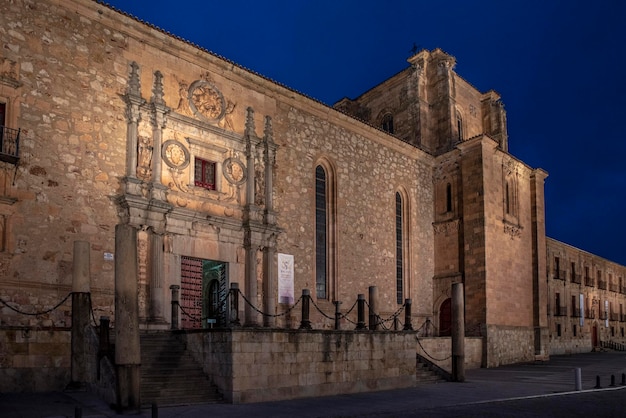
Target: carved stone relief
(177, 158)
(515, 231)
(206, 101)
(144, 160)
(447, 227)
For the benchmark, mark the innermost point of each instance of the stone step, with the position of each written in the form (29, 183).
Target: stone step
(170, 375)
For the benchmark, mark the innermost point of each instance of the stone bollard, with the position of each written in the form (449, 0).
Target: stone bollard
(175, 292)
(337, 315)
(612, 380)
(360, 310)
(373, 304)
(597, 386)
(305, 323)
(578, 379)
(78, 412)
(623, 379)
(155, 410)
(408, 326)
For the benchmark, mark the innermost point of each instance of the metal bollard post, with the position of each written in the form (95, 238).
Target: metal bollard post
(360, 310)
(234, 305)
(305, 323)
(597, 386)
(155, 410)
(337, 314)
(407, 315)
(612, 380)
(623, 379)
(174, 288)
(578, 379)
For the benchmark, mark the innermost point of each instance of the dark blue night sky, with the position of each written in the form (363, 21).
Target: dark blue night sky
(560, 67)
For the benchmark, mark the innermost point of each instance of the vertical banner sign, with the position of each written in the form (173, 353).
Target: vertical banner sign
(285, 278)
(581, 303)
(606, 313)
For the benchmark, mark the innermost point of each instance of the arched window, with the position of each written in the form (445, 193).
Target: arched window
(325, 260)
(321, 234)
(386, 123)
(399, 249)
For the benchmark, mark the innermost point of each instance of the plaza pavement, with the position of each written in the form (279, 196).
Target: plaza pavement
(554, 378)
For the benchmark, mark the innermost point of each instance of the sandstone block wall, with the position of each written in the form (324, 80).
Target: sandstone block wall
(508, 345)
(34, 360)
(266, 365)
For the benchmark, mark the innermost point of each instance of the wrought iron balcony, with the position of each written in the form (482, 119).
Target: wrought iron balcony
(613, 287)
(576, 278)
(614, 316)
(603, 316)
(589, 281)
(559, 274)
(575, 312)
(9, 145)
(602, 284)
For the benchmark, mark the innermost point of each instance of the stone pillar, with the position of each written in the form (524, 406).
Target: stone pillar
(251, 315)
(157, 308)
(127, 348)
(270, 278)
(81, 311)
(458, 333)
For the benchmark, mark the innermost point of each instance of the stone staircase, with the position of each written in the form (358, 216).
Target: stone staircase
(170, 375)
(425, 374)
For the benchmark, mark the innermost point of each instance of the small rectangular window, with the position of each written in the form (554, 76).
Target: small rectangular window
(204, 174)
(574, 330)
(558, 330)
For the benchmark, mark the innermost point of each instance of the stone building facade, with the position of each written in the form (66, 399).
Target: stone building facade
(409, 187)
(587, 300)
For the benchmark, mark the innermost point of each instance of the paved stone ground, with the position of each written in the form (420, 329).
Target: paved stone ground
(538, 389)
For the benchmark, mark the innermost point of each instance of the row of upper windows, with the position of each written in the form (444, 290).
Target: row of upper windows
(560, 274)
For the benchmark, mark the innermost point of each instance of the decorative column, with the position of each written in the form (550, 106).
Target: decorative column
(269, 274)
(250, 213)
(133, 101)
(127, 348)
(80, 314)
(159, 119)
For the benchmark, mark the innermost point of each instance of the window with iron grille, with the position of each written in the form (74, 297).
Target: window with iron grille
(204, 174)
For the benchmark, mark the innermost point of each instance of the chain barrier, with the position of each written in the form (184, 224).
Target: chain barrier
(345, 316)
(35, 313)
(319, 310)
(380, 321)
(193, 318)
(266, 314)
(427, 354)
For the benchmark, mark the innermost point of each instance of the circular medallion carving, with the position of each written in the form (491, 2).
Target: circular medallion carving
(206, 101)
(174, 154)
(234, 171)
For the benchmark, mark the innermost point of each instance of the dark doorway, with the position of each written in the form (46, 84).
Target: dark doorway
(445, 318)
